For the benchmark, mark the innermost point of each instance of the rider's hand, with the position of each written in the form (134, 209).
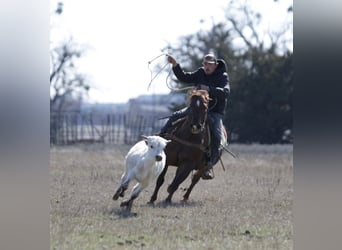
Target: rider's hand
(171, 60)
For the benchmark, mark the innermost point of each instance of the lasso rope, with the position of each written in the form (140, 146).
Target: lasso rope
(153, 77)
(167, 77)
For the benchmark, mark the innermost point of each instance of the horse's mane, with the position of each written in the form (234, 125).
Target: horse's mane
(203, 94)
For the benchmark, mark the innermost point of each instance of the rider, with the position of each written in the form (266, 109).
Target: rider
(213, 77)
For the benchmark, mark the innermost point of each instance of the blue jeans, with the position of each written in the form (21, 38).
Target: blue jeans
(215, 125)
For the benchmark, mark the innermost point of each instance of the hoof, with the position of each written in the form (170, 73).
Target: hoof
(185, 200)
(119, 192)
(167, 202)
(127, 204)
(124, 204)
(150, 203)
(115, 197)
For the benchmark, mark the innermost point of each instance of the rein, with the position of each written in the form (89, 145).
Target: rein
(195, 145)
(200, 146)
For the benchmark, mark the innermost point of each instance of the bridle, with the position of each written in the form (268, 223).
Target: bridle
(198, 105)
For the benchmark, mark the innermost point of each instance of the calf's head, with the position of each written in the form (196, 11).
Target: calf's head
(156, 145)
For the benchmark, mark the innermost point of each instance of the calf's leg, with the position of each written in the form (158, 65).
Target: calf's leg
(120, 192)
(125, 180)
(134, 194)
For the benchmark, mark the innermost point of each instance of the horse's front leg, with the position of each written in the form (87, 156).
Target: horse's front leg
(159, 183)
(181, 174)
(195, 178)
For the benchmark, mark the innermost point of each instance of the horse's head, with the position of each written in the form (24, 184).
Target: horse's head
(199, 102)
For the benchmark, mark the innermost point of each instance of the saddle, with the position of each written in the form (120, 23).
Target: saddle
(206, 148)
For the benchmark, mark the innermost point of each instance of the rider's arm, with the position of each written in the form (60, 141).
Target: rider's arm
(222, 90)
(186, 77)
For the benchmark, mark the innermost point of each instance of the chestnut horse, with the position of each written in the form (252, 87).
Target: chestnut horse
(189, 147)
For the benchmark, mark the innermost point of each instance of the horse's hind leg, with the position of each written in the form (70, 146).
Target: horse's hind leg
(159, 183)
(196, 177)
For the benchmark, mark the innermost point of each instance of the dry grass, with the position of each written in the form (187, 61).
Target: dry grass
(248, 206)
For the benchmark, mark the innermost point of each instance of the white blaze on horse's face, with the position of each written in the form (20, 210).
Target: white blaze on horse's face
(197, 123)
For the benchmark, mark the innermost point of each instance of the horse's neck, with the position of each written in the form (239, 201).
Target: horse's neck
(184, 132)
(184, 129)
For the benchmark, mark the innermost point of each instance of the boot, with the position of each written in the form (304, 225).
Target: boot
(176, 115)
(214, 157)
(208, 174)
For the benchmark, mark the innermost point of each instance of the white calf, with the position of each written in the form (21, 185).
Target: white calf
(144, 163)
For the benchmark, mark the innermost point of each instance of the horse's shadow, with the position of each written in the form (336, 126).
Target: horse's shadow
(122, 213)
(125, 214)
(164, 204)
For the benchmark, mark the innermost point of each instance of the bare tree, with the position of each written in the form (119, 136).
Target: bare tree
(245, 23)
(66, 82)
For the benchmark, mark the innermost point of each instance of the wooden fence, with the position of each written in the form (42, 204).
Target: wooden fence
(71, 128)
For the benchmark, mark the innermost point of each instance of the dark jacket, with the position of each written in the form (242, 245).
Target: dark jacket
(218, 83)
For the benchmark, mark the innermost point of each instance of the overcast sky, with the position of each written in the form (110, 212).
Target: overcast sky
(124, 36)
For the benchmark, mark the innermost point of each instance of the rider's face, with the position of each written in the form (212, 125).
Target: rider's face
(209, 68)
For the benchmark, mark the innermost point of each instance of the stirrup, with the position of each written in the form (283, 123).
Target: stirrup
(208, 172)
(207, 175)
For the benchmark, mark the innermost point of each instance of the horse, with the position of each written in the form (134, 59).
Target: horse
(189, 147)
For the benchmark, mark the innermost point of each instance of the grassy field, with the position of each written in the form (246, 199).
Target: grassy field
(247, 206)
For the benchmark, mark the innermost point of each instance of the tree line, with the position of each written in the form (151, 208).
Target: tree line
(261, 73)
(260, 68)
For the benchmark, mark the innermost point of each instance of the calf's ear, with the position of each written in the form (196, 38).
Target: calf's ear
(144, 137)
